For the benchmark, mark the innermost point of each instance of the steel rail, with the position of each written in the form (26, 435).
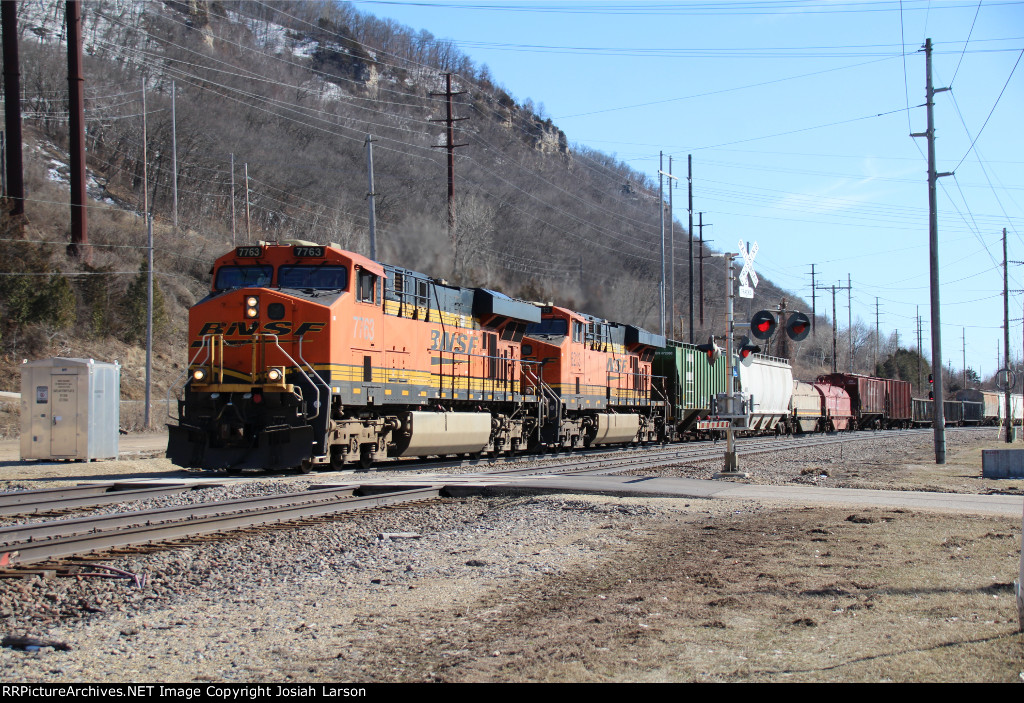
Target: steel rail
(78, 545)
(95, 523)
(22, 503)
(690, 452)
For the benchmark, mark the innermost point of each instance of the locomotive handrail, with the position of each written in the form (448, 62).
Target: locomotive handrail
(317, 404)
(184, 374)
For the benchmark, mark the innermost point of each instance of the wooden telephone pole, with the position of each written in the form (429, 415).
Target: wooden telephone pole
(450, 145)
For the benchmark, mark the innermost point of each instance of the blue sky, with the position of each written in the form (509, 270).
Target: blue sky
(797, 116)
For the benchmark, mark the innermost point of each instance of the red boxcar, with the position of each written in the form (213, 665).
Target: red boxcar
(875, 402)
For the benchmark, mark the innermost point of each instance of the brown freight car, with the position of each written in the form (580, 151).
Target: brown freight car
(876, 402)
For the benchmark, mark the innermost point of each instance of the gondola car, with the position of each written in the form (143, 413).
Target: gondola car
(956, 413)
(994, 405)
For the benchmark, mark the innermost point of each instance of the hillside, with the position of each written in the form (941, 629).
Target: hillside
(287, 93)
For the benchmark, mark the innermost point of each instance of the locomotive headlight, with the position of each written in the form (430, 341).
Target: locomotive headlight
(274, 375)
(252, 307)
(199, 375)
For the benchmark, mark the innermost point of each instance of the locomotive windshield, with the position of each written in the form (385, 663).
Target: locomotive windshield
(321, 277)
(229, 277)
(551, 326)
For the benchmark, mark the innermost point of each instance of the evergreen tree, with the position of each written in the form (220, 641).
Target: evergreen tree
(134, 307)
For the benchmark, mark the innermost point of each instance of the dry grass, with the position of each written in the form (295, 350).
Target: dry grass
(780, 595)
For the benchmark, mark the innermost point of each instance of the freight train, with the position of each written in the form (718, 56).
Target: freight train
(305, 355)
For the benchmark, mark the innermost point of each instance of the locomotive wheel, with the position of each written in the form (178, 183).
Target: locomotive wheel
(337, 459)
(365, 457)
(305, 467)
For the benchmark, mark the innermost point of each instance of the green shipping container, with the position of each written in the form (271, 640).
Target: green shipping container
(689, 382)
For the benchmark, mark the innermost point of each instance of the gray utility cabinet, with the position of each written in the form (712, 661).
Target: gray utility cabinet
(70, 409)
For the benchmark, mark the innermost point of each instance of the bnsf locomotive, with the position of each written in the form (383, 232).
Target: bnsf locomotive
(305, 355)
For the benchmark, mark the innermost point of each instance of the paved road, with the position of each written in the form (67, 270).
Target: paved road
(720, 489)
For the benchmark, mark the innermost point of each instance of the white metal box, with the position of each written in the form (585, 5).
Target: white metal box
(70, 409)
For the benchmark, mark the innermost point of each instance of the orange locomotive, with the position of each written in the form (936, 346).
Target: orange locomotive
(305, 354)
(596, 380)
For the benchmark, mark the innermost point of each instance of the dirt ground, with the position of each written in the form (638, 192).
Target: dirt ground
(774, 595)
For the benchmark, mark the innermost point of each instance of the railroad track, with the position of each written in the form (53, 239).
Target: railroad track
(42, 542)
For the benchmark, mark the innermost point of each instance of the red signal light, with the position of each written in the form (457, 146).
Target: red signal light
(798, 326)
(747, 350)
(762, 324)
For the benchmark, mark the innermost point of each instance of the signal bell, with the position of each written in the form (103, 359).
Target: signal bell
(762, 324)
(711, 350)
(746, 351)
(798, 326)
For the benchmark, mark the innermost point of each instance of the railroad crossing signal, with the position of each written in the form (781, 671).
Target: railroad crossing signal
(711, 350)
(746, 351)
(798, 326)
(748, 279)
(762, 324)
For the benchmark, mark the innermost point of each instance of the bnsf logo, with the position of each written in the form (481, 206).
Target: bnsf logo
(281, 328)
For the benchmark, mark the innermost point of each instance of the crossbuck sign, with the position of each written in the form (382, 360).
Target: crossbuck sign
(748, 279)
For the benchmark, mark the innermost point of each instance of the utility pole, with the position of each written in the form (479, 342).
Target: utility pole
(233, 238)
(835, 331)
(148, 419)
(370, 198)
(76, 126)
(248, 229)
(12, 109)
(1006, 343)
(664, 292)
(814, 304)
(939, 423)
(145, 158)
(174, 153)
(689, 232)
(450, 145)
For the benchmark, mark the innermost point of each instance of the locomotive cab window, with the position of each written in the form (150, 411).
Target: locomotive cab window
(367, 287)
(577, 331)
(229, 277)
(552, 326)
(318, 277)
